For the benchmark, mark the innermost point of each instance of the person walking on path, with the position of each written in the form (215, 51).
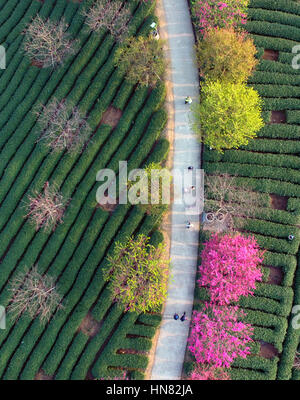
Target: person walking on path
(188, 100)
(183, 317)
(189, 225)
(176, 316)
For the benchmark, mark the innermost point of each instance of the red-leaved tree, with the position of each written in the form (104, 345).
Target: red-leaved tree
(218, 335)
(223, 14)
(230, 267)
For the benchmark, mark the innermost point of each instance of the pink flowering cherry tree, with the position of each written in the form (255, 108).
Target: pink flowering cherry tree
(230, 267)
(218, 336)
(222, 14)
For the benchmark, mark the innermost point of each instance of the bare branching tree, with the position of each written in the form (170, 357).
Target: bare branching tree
(229, 199)
(63, 125)
(47, 42)
(46, 209)
(112, 15)
(33, 293)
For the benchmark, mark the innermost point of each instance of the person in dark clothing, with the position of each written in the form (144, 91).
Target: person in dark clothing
(176, 316)
(183, 317)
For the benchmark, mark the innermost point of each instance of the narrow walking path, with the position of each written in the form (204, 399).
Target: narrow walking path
(172, 340)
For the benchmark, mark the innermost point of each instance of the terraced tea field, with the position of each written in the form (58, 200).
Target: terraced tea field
(90, 337)
(270, 165)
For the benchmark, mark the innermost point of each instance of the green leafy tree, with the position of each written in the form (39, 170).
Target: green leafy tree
(142, 60)
(153, 189)
(138, 274)
(227, 116)
(226, 55)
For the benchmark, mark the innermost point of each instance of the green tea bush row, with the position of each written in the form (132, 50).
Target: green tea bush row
(291, 343)
(288, 6)
(77, 174)
(267, 327)
(109, 358)
(269, 164)
(254, 368)
(259, 14)
(271, 229)
(276, 104)
(22, 12)
(256, 171)
(73, 321)
(271, 299)
(248, 157)
(280, 131)
(80, 285)
(88, 355)
(274, 146)
(71, 356)
(273, 29)
(276, 78)
(278, 91)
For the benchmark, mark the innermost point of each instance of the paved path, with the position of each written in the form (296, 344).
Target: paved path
(171, 346)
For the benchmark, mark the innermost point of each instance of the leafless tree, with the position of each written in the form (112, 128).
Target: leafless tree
(63, 125)
(112, 15)
(229, 199)
(47, 42)
(46, 209)
(33, 293)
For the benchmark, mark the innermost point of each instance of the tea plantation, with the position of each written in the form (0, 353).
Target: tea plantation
(75, 253)
(270, 165)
